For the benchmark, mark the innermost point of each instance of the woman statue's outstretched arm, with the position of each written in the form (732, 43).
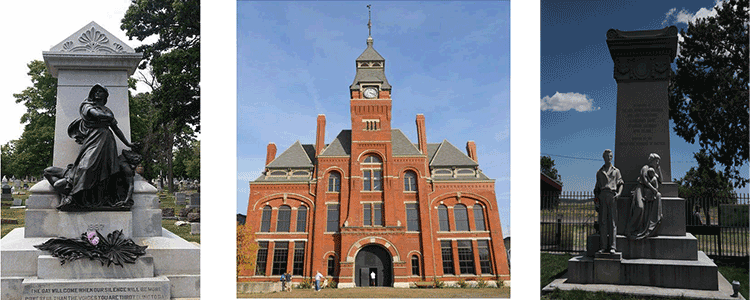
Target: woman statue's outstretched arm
(120, 135)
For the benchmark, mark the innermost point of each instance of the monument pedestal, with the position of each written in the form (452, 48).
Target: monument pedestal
(171, 267)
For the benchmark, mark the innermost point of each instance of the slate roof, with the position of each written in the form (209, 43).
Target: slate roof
(370, 75)
(448, 155)
(401, 145)
(341, 145)
(297, 156)
(370, 54)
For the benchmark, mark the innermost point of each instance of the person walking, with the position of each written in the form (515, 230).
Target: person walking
(283, 282)
(318, 276)
(289, 282)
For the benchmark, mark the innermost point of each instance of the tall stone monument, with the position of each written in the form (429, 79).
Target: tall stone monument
(669, 257)
(170, 266)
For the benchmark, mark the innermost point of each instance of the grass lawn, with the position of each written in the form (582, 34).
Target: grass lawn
(384, 292)
(553, 266)
(20, 214)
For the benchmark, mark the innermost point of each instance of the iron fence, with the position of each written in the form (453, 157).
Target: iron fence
(720, 223)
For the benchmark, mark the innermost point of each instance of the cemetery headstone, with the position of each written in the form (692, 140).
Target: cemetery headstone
(180, 199)
(195, 200)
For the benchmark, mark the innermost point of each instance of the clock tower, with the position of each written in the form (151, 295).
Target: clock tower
(370, 98)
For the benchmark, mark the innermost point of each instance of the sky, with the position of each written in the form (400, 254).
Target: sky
(578, 93)
(30, 35)
(447, 60)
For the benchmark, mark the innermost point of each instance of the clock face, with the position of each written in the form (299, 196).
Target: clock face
(371, 92)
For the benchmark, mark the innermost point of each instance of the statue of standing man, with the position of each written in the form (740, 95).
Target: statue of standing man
(609, 185)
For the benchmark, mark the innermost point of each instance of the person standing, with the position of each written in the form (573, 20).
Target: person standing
(317, 280)
(289, 282)
(283, 282)
(372, 278)
(608, 187)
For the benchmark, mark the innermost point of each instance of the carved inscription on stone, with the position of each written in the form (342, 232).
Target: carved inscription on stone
(639, 122)
(96, 293)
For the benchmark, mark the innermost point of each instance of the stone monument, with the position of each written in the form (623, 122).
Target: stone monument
(663, 255)
(170, 266)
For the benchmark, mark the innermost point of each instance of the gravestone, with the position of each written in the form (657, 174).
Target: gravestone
(17, 201)
(170, 268)
(194, 201)
(7, 193)
(670, 258)
(180, 199)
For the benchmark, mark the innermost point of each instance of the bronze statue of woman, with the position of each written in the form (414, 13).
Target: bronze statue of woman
(98, 178)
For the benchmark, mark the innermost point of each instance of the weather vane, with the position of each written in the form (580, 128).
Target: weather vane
(369, 20)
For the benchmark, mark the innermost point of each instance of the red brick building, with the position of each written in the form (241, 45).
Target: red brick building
(371, 201)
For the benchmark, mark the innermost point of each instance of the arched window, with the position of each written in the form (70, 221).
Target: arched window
(410, 181)
(479, 217)
(461, 217)
(443, 218)
(372, 174)
(334, 182)
(372, 159)
(415, 265)
(283, 219)
(301, 218)
(265, 219)
(331, 266)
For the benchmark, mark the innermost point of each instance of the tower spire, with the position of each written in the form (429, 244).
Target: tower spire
(369, 21)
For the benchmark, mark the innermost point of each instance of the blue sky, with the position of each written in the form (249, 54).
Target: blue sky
(576, 78)
(447, 60)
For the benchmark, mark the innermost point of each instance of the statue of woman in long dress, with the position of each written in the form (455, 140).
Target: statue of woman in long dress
(98, 178)
(646, 208)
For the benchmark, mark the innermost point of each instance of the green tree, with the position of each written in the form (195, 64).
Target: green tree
(548, 168)
(705, 186)
(708, 95)
(175, 64)
(32, 152)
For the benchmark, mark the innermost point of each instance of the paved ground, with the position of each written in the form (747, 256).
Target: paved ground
(382, 292)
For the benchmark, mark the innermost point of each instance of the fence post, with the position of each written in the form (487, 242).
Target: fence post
(558, 235)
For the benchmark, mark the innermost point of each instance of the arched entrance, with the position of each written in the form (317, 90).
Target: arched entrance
(373, 259)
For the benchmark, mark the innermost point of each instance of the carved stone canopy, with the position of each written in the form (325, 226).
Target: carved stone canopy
(91, 47)
(642, 55)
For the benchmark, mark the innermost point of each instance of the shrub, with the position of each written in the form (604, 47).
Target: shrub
(305, 284)
(499, 283)
(437, 283)
(462, 283)
(481, 283)
(332, 284)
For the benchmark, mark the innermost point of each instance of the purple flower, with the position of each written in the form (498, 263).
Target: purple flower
(93, 239)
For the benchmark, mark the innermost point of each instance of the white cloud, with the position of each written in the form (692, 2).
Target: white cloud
(567, 101)
(684, 16)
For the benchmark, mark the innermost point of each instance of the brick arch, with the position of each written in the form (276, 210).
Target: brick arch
(289, 196)
(329, 253)
(332, 169)
(468, 195)
(410, 168)
(373, 240)
(368, 152)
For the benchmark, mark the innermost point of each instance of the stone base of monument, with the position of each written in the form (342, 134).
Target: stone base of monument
(669, 247)
(724, 291)
(170, 268)
(683, 274)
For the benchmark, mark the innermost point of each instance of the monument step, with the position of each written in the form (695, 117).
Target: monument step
(700, 274)
(138, 288)
(172, 254)
(658, 247)
(50, 268)
(673, 215)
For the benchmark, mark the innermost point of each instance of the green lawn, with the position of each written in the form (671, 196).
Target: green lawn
(554, 265)
(168, 201)
(382, 292)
